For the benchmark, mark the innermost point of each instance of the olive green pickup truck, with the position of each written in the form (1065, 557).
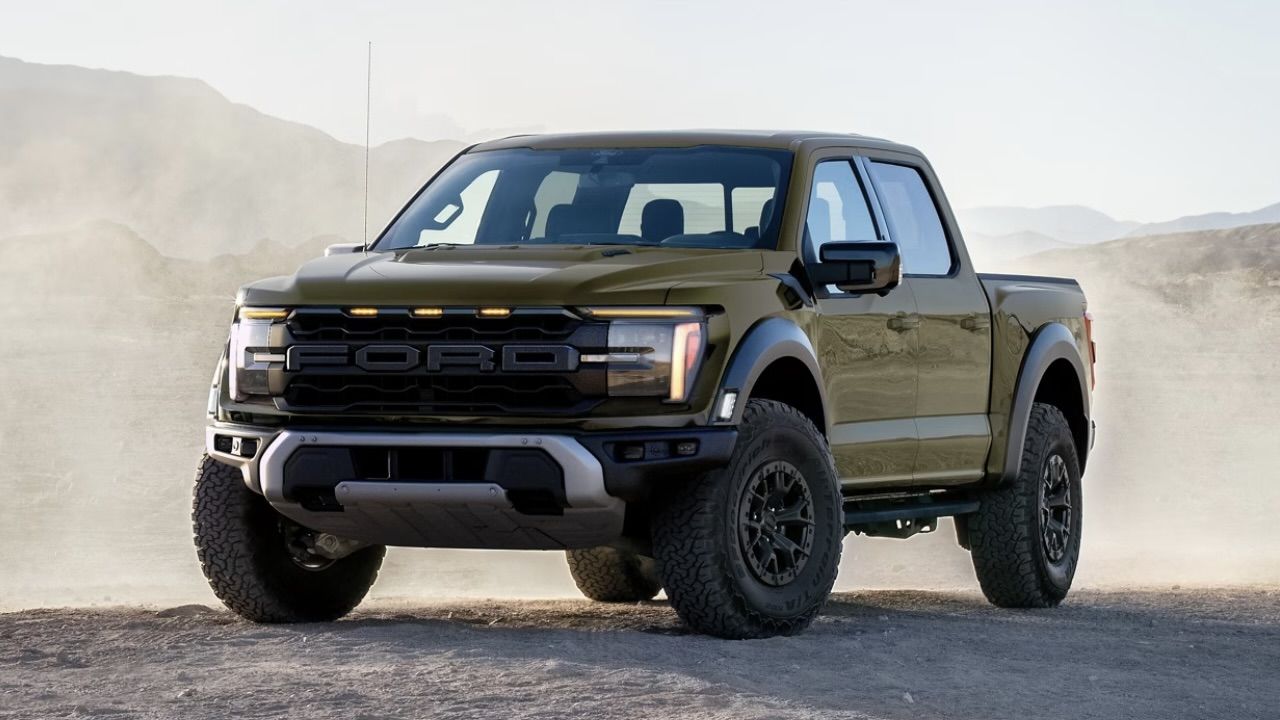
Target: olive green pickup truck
(694, 361)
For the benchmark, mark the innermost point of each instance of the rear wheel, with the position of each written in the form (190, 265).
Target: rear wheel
(751, 550)
(1025, 537)
(261, 565)
(607, 574)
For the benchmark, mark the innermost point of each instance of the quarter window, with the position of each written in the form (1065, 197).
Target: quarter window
(913, 219)
(838, 210)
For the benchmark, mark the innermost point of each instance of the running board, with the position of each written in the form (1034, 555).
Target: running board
(903, 521)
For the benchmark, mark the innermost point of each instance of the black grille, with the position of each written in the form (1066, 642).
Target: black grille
(464, 390)
(394, 325)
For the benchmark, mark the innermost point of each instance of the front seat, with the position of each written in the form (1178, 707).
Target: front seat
(566, 219)
(661, 219)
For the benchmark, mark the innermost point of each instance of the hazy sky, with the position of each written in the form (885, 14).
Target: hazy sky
(1145, 110)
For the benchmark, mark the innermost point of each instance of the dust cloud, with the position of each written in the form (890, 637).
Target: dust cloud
(109, 347)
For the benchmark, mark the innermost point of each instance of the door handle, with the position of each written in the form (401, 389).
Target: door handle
(974, 322)
(903, 322)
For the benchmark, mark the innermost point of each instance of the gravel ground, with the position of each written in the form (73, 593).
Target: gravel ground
(887, 654)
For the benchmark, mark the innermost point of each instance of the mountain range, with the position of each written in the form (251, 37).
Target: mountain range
(1019, 231)
(174, 163)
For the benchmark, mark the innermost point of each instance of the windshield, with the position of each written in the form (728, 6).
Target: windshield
(703, 197)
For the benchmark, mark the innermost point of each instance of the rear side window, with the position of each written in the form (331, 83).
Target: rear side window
(913, 219)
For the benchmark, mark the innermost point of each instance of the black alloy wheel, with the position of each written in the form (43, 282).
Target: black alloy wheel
(775, 523)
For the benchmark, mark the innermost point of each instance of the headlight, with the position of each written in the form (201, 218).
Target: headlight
(251, 351)
(651, 355)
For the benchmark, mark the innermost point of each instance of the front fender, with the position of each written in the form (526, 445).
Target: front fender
(767, 341)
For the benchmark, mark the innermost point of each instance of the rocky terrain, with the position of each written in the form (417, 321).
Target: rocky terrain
(1166, 654)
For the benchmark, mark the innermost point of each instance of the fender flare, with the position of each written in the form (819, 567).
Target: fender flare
(1051, 342)
(768, 340)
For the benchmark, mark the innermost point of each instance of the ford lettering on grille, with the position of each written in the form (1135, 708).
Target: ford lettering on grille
(435, 357)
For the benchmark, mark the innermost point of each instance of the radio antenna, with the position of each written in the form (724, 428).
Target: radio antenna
(368, 103)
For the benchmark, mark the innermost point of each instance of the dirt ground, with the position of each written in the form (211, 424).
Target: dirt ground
(884, 654)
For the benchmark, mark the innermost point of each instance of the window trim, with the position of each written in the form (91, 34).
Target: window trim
(927, 181)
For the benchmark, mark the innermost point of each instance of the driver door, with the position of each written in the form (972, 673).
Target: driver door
(867, 343)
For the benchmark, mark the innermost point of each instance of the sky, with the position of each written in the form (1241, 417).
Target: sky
(1144, 110)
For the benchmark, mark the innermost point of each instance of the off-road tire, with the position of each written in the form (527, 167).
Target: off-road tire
(244, 556)
(1010, 556)
(607, 574)
(697, 532)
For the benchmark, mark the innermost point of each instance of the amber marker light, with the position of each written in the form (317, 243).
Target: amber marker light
(495, 312)
(428, 312)
(263, 314)
(364, 312)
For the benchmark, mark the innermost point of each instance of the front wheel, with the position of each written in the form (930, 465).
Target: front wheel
(607, 574)
(258, 562)
(751, 550)
(1025, 536)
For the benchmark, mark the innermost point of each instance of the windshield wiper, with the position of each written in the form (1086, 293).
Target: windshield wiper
(434, 245)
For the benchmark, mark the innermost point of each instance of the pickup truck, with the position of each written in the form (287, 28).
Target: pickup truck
(694, 361)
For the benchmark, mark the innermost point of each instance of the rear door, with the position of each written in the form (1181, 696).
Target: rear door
(867, 344)
(954, 352)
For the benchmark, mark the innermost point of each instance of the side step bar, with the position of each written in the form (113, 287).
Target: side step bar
(910, 512)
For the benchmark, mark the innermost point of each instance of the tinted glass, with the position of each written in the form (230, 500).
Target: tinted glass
(678, 197)
(913, 219)
(838, 210)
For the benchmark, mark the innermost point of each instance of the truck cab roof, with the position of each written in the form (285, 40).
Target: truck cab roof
(775, 139)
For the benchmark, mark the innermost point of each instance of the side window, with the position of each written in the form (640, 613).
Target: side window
(913, 219)
(838, 210)
(459, 220)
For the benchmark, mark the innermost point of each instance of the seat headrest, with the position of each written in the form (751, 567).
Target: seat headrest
(766, 214)
(565, 219)
(661, 219)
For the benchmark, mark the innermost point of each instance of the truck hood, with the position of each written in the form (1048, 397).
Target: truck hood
(452, 275)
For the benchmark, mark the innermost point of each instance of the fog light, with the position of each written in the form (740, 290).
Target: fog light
(687, 447)
(632, 452)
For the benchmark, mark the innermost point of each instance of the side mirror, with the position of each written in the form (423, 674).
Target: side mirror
(858, 267)
(343, 249)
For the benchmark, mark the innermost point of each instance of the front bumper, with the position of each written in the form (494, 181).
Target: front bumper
(478, 500)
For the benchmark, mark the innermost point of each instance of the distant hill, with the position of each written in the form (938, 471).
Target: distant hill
(1211, 221)
(1021, 230)
(192, 173)
(113, 265)
(988, 250)
(1210, 274)
(1066, 223)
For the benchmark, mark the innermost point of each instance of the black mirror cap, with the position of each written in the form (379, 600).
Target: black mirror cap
(858, 267)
